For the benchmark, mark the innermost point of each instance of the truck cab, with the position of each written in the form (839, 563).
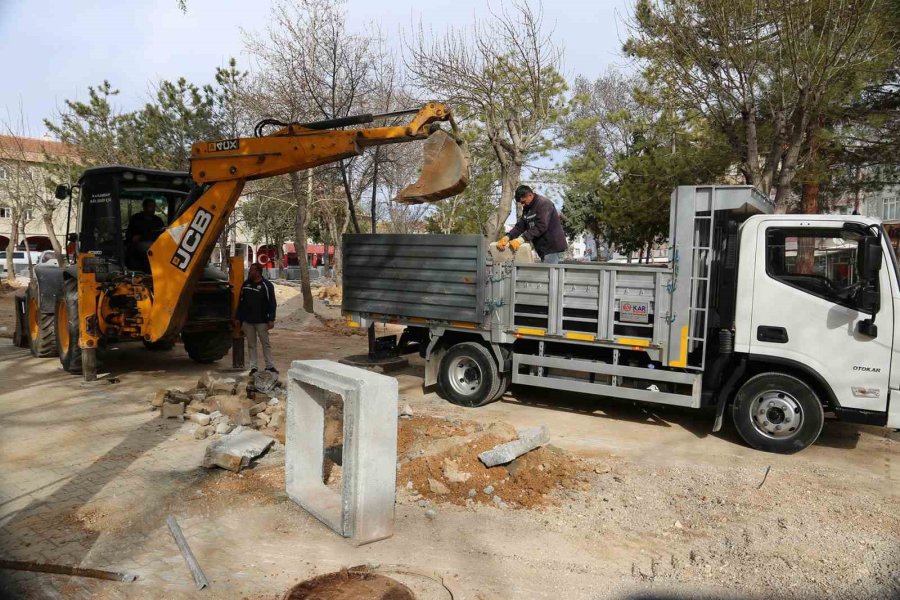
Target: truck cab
(806, 307)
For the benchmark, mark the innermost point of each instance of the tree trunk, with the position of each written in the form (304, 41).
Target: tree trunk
(300, 225)
(374, 189)
(13, 242)
(54, 241)
(509, 179)
(350, 206)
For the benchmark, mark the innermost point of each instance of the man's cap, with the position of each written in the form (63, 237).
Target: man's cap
(522, 190)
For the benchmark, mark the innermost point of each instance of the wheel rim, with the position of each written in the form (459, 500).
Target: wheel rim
(465, 376)
(34, 327)
(62, 328)
(776, 414)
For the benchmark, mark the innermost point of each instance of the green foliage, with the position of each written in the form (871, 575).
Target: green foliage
(633, 151)
(161, 133)
(270, 219)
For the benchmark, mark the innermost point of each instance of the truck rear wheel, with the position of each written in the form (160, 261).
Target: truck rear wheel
(67, 330)
(41, 336)
(776, 412)
(468, 375)
(206, 346)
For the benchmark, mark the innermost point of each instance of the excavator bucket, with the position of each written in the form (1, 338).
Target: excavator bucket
(445, 171)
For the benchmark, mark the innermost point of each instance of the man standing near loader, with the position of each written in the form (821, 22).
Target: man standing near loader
(539, 225)
(256, 315)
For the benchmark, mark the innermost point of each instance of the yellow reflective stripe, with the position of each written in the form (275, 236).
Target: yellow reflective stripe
(417, 320)
(682, 357)
(462, 324)
(529, 331)
(633, 342)
(586, 337)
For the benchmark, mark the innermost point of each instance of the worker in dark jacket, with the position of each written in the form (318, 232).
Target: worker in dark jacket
(256, 315)
(539, 225)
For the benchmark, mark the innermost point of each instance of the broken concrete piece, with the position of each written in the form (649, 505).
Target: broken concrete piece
(528, 440)
(200, 418)
(265, 381)
(171, 410)
(263, 418)
(224, 428)
(452, 473)
(406, 412)
(243, 417)
(274, 402)
(258, 408)
(197, 406)
(489, 489)
(437, 487)
(229, 406)
(517, 466)
(203, 432)
(277, 419)
(235, 451)
(159, 399)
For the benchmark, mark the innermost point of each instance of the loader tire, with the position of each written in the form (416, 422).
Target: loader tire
(41, 334)
(468, 375)
(67, 329)
(206, 346)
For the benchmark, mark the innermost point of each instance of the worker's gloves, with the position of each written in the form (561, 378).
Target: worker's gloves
(503, 242)
(515, 244)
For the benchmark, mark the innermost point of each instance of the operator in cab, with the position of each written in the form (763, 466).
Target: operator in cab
(539, 225)
(143, 229)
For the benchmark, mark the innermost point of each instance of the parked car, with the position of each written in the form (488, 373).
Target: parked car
(20, 260)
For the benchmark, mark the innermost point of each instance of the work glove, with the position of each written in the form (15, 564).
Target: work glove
(515, 244)
(503, 242)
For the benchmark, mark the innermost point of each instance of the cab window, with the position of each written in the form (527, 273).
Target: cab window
(821, 262)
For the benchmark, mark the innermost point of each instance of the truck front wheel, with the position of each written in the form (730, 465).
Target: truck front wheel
(776, 412)
(468, 375)
(206, 346)
(40, 325)
(67, 327)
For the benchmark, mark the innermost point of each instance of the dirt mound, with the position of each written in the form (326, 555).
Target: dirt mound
(440, 458)
(350, 585)
(333, 294)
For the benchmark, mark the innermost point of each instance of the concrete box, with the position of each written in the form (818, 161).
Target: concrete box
(364, 510)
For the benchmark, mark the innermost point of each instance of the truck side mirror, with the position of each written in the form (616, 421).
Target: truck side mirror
(63, 191)
(868, 261)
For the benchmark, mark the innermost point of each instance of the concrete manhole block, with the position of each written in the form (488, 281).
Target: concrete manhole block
(364, 509)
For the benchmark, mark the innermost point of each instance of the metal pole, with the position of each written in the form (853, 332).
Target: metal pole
(193, 565)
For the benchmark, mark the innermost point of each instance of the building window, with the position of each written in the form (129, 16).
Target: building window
(29, 214)
(4, 173)
(5, 212)
(891, 209)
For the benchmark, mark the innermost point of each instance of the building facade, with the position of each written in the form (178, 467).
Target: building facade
(24, 174)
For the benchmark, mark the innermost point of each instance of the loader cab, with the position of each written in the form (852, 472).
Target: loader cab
(112, 197)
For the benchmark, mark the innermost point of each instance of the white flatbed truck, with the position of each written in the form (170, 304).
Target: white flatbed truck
(771, 317)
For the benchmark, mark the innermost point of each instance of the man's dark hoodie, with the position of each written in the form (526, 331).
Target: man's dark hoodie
(257, 303)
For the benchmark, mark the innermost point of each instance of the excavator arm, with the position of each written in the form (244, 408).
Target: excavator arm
(178, 256)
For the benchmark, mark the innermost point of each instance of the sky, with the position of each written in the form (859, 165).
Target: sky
(53, 50)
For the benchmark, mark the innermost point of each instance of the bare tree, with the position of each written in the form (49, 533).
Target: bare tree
(503, 75)
(30, 166)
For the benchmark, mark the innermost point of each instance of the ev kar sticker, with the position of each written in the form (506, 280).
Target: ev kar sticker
(190, 241)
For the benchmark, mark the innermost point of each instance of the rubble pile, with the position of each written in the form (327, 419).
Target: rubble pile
(332, 294)
(219, 405)
(439, 462)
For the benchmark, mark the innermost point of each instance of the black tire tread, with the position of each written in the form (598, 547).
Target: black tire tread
(475, 350)
(205, 347)
(71, 358)
(813, 413)
(45, 344)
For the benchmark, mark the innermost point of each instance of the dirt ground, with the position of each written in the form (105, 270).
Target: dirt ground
(628, 501)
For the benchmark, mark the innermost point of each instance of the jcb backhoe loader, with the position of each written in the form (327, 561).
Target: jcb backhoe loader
(115, 289)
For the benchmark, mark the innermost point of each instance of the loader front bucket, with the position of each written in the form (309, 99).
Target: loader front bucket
(445, 171)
